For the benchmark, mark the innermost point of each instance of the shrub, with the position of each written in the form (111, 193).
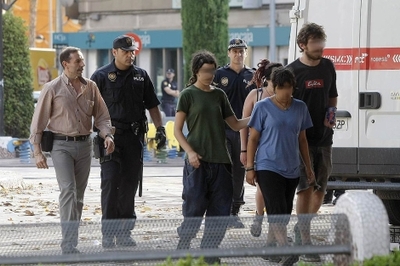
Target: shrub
(18, 85)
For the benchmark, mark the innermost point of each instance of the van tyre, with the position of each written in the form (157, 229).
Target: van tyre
(391, 200)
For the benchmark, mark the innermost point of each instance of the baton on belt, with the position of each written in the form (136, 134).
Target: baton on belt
(141, 181)
(141, 170)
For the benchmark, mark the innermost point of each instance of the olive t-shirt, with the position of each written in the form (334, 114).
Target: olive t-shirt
(205, 115)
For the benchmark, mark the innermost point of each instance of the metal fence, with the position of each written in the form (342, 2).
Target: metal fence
(157, 239)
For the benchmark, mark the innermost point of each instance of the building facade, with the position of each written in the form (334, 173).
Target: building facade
(158, 24)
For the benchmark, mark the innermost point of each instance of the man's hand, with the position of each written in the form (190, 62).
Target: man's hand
(41, 160)
(161, 138)
(109, 144)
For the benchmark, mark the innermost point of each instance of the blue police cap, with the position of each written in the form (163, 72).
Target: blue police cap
(237, 43)
(125, 43)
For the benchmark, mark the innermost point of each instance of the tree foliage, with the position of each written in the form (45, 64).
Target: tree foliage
(18, 84)
(204, 26)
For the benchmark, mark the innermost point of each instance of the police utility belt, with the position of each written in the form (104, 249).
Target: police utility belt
(135, 127)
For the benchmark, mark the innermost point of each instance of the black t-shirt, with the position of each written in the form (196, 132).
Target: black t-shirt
(126, 93)
(315, 85)
(166, 98)
(235, 86)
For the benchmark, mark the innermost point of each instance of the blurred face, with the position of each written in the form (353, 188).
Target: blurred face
(74, 68)
(237, 56)
(170, 75)
(314, 48)
(206, 74)
(284, 92)
(123, 59)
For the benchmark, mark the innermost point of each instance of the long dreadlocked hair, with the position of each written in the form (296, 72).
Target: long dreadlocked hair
(198, 60)
(263, 73)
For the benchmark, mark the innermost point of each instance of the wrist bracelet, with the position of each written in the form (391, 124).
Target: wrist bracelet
(243, 151)
(249, 169)
(110, 136)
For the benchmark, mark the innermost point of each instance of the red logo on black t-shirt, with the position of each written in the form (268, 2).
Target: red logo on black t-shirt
(314, 84)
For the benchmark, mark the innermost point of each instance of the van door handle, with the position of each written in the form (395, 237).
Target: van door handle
(369, 100)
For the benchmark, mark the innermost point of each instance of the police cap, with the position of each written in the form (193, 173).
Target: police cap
(125, 43)
(237, 43)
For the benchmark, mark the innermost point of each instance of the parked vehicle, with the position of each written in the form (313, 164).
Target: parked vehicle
(364, 44)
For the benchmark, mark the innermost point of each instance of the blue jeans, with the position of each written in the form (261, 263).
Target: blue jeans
(206, 190)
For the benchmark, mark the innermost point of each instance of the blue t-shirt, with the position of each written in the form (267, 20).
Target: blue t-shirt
(278, 147)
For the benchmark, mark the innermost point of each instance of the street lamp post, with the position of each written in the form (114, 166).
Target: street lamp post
(6, 7)
(272, 36)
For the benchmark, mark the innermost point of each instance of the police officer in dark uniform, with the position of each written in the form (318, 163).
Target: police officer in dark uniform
(127, 91)
(234, 79)
(170, 92)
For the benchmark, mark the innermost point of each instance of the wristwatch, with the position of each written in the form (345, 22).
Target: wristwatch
(110, 136)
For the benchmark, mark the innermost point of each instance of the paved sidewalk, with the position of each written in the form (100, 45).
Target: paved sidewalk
(33, 196)
(29, 194)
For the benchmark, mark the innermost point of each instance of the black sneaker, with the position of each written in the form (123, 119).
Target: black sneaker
(275, 259)
(290, 260)
(327, 201)
(310, 258)
(235, 222)
(212, 261)
(183, 244)
(70, 250)
(126, 241)
(108, 242)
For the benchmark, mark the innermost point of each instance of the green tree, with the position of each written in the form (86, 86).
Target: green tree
(18, 84)
(204, 26)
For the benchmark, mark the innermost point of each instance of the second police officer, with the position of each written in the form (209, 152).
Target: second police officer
(170, 93)
(234, 79)
(127, 91)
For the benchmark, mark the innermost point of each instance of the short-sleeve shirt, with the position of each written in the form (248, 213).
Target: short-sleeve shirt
(278, 148)
(205, 118)
(235, 85)
(127, 93)
(166, 98)
(315, 85)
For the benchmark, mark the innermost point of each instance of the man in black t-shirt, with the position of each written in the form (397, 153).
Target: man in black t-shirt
(234, 79)
(316, 86)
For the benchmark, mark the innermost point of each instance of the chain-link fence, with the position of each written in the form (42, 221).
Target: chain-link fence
(158, 239)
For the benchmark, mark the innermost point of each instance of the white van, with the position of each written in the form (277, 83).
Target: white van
(363, 41)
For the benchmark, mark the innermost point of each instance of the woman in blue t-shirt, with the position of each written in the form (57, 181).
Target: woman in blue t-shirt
(276, 140)
(262, 79)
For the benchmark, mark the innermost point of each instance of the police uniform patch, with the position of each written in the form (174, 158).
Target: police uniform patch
(165, 83)
(112, 76)
(224, 81)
